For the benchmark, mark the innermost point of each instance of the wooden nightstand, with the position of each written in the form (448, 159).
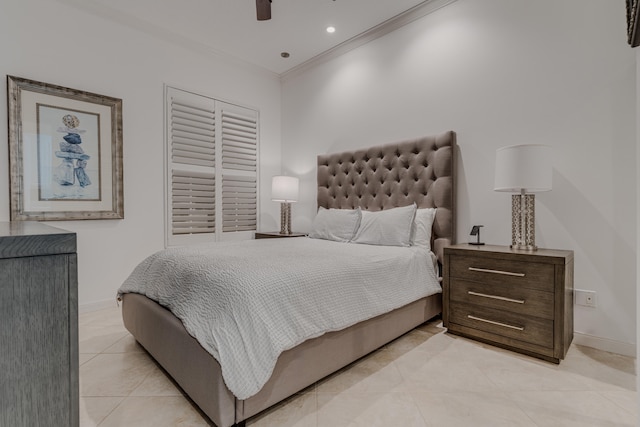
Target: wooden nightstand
(522, 301)
(276, 235)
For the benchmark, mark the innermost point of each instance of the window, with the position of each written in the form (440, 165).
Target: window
(212, 169)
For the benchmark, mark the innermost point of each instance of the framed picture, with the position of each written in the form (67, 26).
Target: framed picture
(65, 153)
(633, 33)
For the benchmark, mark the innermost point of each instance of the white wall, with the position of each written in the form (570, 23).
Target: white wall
(57, 42)
(500, 72)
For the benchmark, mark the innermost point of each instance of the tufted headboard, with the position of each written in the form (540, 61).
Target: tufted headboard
(392, 175)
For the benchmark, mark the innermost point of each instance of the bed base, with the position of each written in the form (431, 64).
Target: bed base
(199, 374)
(420, 171)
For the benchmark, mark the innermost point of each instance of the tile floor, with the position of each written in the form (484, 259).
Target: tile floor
(425, 378)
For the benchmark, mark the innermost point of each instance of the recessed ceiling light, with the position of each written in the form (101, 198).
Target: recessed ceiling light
(331, 30)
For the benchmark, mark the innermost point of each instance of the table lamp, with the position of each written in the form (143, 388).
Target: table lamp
(284, 189)
(523, 169)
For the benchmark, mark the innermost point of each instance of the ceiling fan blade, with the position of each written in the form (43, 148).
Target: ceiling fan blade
(263, 8)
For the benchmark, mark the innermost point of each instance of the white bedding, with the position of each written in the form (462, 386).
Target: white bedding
(247, 302)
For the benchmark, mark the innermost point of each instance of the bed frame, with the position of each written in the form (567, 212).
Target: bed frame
(392, 175)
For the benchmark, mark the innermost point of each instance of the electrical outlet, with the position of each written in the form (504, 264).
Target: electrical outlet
(585, 298)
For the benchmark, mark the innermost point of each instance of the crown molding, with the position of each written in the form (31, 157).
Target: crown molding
(423, 9)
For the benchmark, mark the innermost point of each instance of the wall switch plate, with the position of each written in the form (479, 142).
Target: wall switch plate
(585, 298)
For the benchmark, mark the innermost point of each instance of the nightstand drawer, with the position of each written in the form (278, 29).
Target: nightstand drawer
(515, 299)
(503, 271)
(521, 328)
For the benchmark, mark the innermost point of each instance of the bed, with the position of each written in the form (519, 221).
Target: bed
(419, 171)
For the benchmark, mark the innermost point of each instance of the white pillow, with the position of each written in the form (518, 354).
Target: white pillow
(422, 226)
(389, 227)
(335, 224)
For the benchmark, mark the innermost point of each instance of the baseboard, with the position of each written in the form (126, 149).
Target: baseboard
(97, 305)
(605, 344)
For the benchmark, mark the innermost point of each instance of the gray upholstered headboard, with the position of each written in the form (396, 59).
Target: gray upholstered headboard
(419, 170)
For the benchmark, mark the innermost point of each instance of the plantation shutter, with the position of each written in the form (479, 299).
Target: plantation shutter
(239, 168)
(212, 160)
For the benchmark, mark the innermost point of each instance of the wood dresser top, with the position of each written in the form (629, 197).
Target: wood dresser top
(27, 238)
(495, 251)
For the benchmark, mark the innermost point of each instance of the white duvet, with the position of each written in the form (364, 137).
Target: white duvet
(247, 302)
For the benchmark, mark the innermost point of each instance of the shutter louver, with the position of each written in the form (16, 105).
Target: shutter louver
(239, 169)
(239, 141)
(193, 202)
(191, 137)
(239, 208)
(211, 179)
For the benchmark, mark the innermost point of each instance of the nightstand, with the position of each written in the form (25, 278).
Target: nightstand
(519, 300)
(276, 235)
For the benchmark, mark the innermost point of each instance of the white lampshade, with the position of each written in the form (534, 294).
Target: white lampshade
(523, 167)
(284, 189)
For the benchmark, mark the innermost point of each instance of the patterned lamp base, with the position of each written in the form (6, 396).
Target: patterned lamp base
(285, 218)
(523, 235)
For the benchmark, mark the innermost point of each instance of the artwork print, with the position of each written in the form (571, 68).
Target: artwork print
(68, 154)
(65, 153)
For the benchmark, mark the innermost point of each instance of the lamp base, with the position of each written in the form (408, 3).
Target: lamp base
(523, 236)
(524, 247)
(285, 218)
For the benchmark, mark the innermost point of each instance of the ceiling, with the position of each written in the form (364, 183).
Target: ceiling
(230, 27)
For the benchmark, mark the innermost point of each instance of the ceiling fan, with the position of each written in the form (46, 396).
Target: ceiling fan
(263, 8)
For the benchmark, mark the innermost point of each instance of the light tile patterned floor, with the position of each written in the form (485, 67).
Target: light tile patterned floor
(425, 378)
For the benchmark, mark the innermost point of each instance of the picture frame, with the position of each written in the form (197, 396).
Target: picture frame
(65, 153)
(633, 33)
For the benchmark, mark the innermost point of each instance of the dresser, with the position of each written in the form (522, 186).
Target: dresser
(38, 326)
(519, 300)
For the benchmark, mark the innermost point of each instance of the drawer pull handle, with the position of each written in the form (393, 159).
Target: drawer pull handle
(506, 273)
(517, 328)
(478, 294)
